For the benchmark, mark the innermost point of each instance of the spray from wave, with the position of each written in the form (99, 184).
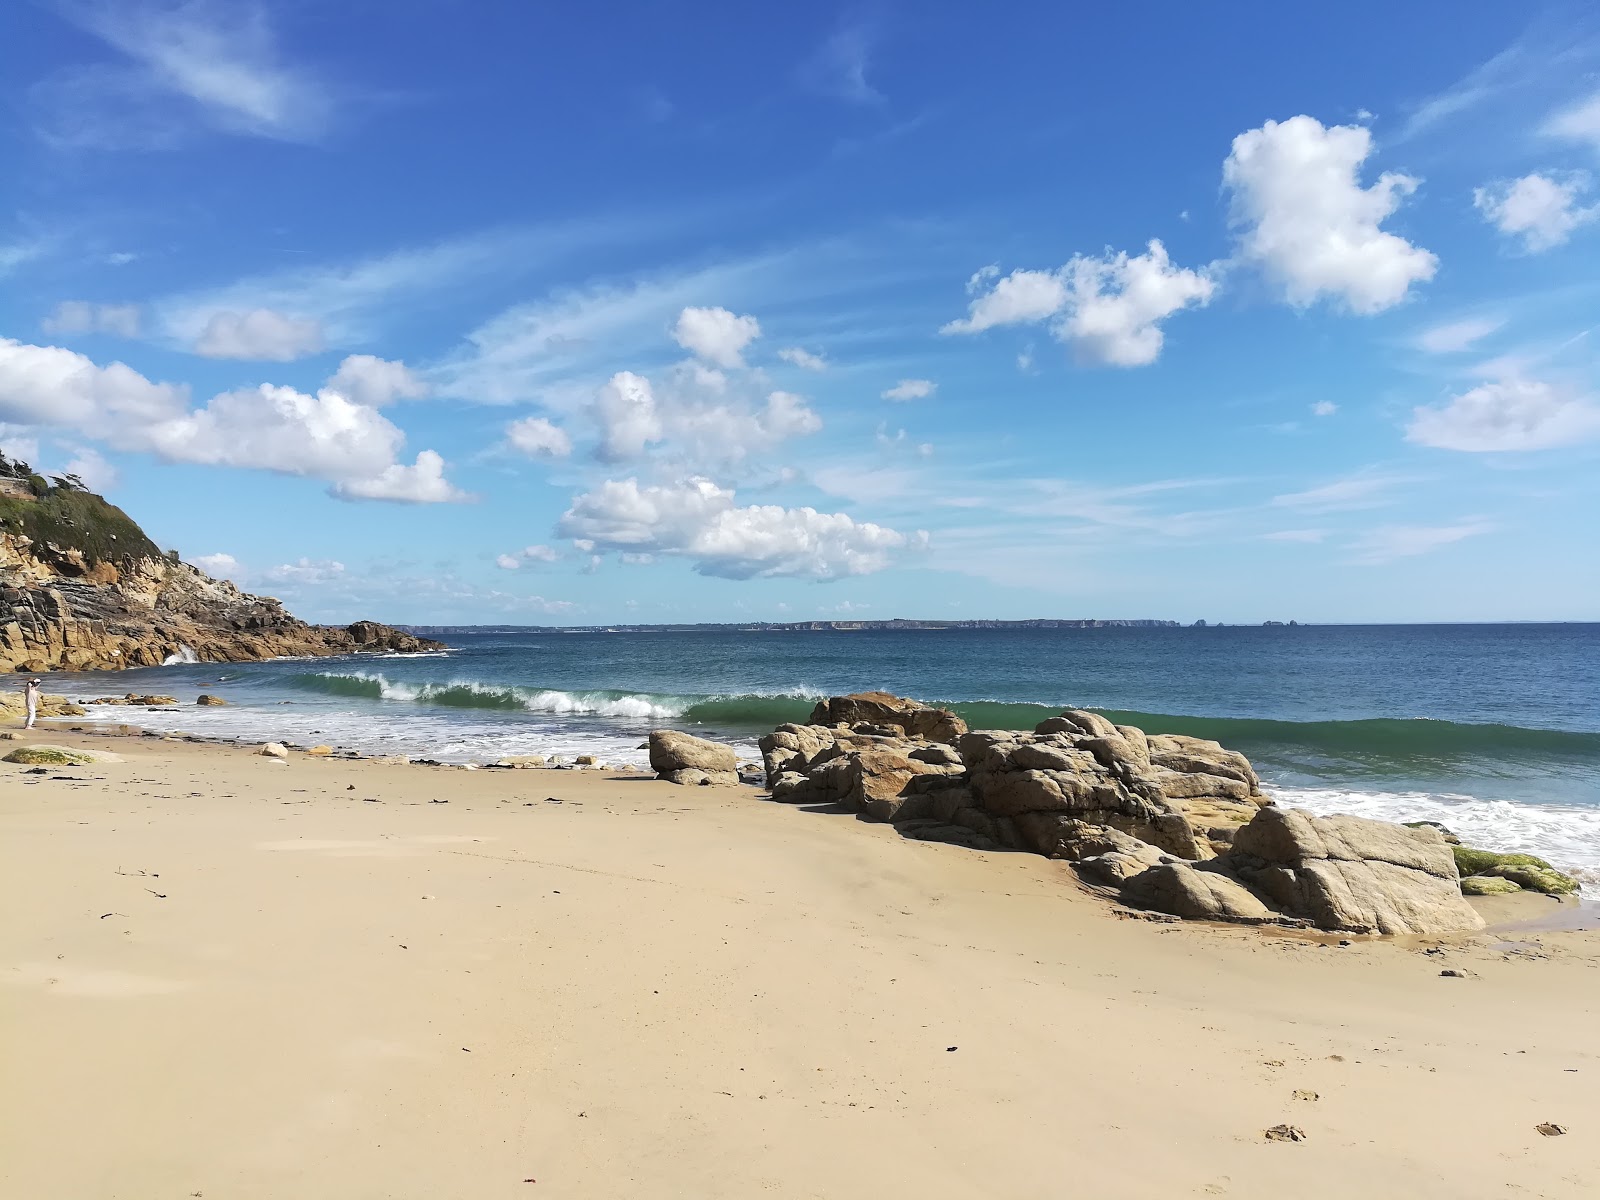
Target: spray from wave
(183, 654)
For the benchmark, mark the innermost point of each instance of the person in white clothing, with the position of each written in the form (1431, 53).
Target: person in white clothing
(31, 694)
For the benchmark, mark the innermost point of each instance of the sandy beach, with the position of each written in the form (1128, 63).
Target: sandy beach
(228, 976)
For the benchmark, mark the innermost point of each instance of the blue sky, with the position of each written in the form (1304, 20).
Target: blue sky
(441, 312)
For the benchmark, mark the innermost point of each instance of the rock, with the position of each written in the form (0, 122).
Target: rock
(791, 787)
(320, 752)
(1184, 891)
(882, 709)
(1526, 870)
(586, 760)
(1488, 885)
(48, 756)
(680, 758)
(876, 782)
(1534, 879)
(1284, 1133)
(1349, 873)
(1550, 1129)
(524, 761)
(1443, 832)
(274, 750)
(210, 701)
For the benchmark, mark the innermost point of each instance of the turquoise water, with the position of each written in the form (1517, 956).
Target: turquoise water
(1494, 728)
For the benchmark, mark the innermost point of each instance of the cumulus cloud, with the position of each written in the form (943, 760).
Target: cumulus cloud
(706, 417)
(91, 467)
(699, 520)
(1392, 542)
(538, 438)
(262, 335)
(626, 410)
(716, 335)
(1542, 210)
(1118, 302)
(1455, 336)
(1307, 223)
(1021, 297)
(1109, 308)
(80, 316)
(327, 435)
(376, 382)
(422, 482)
(1507, 414)
(911, 389)
(804, 359)
(218, 566)
(528, 554)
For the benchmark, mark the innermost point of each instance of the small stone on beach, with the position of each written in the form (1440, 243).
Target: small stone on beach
(1284, 1133)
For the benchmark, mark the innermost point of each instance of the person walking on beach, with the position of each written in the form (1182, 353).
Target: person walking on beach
(31, 696)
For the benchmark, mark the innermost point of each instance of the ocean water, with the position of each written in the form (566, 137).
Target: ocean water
(1492, 729)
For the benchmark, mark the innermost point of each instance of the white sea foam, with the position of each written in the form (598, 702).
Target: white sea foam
(183, 656)
(1566, 835)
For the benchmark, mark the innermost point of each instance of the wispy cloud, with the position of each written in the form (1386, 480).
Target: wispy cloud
(839, 66)
(196, 63)
(1343, 495)
(1391, 542)
(1454, 336)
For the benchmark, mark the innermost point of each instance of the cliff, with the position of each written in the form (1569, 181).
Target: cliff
(83, 588)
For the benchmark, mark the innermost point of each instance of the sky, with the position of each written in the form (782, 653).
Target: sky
(466, 312)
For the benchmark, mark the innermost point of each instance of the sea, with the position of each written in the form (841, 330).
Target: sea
(1493, 730)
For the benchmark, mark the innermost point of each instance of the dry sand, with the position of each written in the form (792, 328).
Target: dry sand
(232, 978)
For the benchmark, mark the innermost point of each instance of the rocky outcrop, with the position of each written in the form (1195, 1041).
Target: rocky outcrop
(889, 715)
(1178, 825)
(1352, 874)
(83, 588)
(679, 758)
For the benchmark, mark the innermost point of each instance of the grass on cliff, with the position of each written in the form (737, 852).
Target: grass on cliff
(76, 520)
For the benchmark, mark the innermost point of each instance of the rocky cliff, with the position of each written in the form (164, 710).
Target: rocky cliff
(83, 588)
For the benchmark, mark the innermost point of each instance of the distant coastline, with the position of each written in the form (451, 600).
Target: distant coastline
(800, 626)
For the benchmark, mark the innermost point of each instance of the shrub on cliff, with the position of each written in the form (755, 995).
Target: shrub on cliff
(76, 520)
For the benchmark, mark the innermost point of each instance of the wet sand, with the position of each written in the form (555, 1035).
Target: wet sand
(225, 976)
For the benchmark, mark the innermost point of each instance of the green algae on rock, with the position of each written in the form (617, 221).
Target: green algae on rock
(1488, 885)
(47, 756)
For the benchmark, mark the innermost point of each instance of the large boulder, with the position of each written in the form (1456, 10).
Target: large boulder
(1352, 874)
(878, 782)
(890, 713)
(1185, 891)
(680, 758)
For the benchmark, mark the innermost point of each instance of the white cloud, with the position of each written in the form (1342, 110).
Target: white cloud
(1305, 220)
(911, 389)
(1020, 297)
(218, 566)
(1540, 209)
(1392, 542)
(326, 435)
(716, 335)
(1507, 414)
(376, 382)
(261, 335)
(528, 554)
(1455, 336)
(1343, 495)
(1117, 303)
(202, 58)
(803, 358)
(1579, 123)
(1324, 408)
(696, 519)
(538, 438)
(626, 410)
(304, 570)
(90, 466)
(421, 483)
(1110, 307)
(80, 316)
